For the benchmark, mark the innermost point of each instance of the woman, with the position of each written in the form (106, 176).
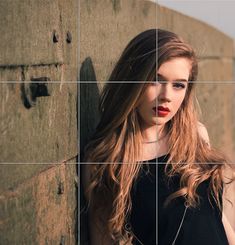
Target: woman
(147, 122)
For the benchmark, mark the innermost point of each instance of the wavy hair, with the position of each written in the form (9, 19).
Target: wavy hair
(116, 144)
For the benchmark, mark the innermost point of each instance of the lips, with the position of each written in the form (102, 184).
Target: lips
(161, 108)
(161, 111)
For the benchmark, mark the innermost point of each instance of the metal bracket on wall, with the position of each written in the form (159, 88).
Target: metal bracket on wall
(30, 91)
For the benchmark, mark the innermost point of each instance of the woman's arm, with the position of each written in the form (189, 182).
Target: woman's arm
(203, 133)
(229, 193)
(229, 204)
(229, 230)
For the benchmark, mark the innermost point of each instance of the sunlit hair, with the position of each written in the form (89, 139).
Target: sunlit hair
(117, 140)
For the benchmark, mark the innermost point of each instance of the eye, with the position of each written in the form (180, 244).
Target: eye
(179, 85)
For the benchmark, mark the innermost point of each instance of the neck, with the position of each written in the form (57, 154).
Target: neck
(152, 133)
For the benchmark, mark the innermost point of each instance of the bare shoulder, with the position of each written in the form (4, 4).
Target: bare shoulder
(229, 230)
(203, 132)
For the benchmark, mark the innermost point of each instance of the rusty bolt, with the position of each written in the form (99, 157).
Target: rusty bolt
(69, 37)
(60, 188)
(55, 37)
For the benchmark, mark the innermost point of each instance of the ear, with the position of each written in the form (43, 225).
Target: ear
(203, 133)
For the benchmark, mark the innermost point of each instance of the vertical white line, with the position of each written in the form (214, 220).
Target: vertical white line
(157, 136)
(78, 129)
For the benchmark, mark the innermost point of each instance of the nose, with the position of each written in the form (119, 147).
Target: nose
(165, 93)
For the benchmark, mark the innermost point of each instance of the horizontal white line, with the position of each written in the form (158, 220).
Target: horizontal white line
(79, 163)
(99, 82)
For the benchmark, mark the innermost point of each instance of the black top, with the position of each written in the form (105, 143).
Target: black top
(187, 226)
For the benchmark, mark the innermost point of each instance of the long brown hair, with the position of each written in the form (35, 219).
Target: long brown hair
(116, 144)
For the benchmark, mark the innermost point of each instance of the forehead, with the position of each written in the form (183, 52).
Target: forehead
(175, 69)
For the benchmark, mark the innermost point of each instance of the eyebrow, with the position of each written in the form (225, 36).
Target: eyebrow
(175, 80)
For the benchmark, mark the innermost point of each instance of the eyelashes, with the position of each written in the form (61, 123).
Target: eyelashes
(177, 85)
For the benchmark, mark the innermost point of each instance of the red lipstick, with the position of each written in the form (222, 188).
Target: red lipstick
(162, 111)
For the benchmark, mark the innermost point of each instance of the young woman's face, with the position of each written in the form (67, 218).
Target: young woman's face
(162, 99)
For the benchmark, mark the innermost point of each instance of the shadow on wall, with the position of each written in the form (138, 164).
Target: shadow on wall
(89, 117)
(89, 100)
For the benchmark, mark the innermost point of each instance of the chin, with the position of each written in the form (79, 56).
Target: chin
(161, 121)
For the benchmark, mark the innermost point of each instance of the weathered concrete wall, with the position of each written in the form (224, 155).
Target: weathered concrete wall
(45, 132)
(107, 26)
(39, 207)
(36, 34)
(38, 121)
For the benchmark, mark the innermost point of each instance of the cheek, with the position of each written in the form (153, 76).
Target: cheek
(178, 101)
(150, 93)
(143, 106)
(147, 101)
(149, 96)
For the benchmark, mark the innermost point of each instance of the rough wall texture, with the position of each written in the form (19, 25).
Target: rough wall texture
(107, 26)
(42, 133)
(38, 121)
(38, 33)
(38, 208)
